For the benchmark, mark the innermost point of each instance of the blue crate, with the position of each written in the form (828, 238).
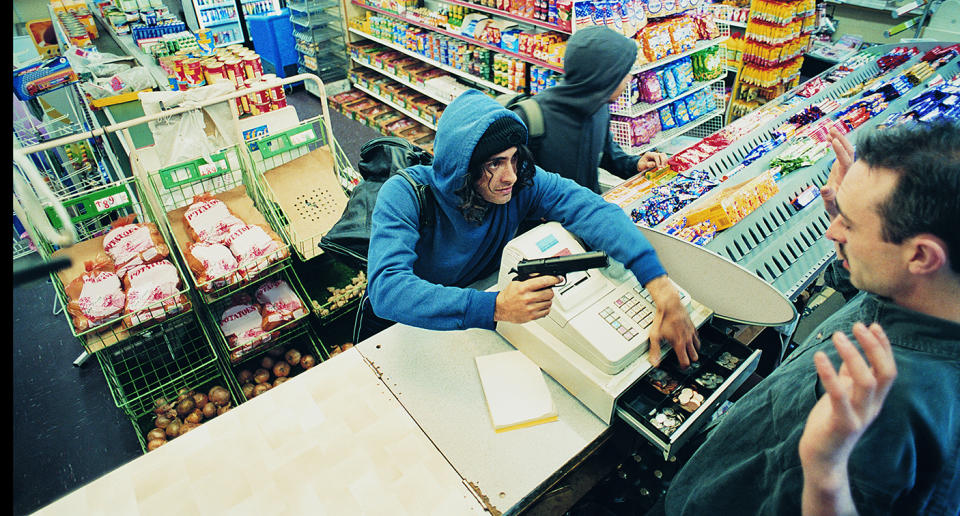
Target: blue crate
(272, 36)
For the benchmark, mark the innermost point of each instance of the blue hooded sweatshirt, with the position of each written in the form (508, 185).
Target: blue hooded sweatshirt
(419, 276)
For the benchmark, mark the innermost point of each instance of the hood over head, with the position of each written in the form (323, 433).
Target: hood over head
(595, 61)
(461, 126)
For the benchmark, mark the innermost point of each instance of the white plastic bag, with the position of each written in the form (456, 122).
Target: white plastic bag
(187, 136)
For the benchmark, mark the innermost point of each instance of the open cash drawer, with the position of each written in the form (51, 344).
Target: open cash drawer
(669, 405)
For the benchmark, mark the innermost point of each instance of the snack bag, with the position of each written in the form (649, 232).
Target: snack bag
(280, 304)
(242, 323)
(152, 292)
(209, 219)
(255, 247)
(680, 113)
(666, 117)
(213, 265)
(95, 297)
(693, 106)
(130, 244)
(649, 86)
(669, 82)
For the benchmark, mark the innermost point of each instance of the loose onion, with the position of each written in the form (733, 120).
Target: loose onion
(186, 406)
(245, 376)
(280, 380)
(292, 357)
(220, 396)
(161, 421)
(261, 376)
(224, 409)
(247, 390)
(260, 388)
(307, 361)
(200, 399)
(281, 369)
(194, 417)
(267, 363)
(156, 433)
(210, 410)
(173, 429)
(155, 443)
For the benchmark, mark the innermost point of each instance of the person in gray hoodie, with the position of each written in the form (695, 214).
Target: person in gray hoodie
(576, 120)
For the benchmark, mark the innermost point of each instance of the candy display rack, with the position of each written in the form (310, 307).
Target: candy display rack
(781, 243)
(319, 30)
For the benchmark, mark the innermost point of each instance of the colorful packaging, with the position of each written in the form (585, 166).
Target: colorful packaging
(680, 113)
(649, 86)
(667, 121)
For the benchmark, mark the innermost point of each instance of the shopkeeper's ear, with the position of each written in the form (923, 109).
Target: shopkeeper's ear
(926, 254)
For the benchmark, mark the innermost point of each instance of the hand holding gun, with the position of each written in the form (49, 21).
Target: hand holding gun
(559, 265)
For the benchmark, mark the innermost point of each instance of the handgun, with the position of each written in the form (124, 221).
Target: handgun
(559, 265)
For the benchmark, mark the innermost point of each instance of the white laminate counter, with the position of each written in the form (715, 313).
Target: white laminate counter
(332, 440)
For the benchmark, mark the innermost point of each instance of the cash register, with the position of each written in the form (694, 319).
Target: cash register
(595, 342)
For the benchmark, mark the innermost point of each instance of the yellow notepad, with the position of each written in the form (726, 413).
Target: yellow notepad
(516, 392)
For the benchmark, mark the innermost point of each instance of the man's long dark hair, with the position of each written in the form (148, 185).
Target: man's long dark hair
(472, 205)
(926, 159)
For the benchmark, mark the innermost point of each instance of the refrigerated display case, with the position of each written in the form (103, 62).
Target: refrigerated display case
(223, 18)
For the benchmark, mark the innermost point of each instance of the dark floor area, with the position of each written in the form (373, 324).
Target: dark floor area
(67, 430)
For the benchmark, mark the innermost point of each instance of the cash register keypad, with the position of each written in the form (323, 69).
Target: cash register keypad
(633, 313)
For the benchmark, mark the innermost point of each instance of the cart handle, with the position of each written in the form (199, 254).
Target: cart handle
(176, 111)
(27, 202)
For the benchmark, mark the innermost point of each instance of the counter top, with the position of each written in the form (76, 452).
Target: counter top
(333, 440)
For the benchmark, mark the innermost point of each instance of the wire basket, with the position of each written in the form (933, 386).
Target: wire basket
(236, 352)
(202, 382)
(92, 213)
(304, 339)
(224, 176)
(303, 199)
(333, 286)
(158, 362)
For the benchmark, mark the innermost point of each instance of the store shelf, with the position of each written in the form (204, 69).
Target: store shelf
(405, 82)
(509, 16)
(461, 37)
(641, 108)
(666, 136)
(460, 73)
(214, 6)
(234, 21)
(732, 23)
(700, 45)
(396, 106)
(302, 7)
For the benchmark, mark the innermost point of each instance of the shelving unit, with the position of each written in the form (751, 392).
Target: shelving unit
(417, 23)
(508, 15)
(460, 73)
(319, 30)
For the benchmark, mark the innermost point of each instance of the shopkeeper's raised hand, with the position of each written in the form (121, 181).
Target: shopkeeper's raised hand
(524, 301)
(651, 161)
(844, 150)
(671, 323)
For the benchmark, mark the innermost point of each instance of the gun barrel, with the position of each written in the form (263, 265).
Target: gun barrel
(563, 264)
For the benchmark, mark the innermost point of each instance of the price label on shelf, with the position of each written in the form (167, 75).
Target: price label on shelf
(109, 202)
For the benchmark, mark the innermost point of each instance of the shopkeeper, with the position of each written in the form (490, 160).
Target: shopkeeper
(485, 184)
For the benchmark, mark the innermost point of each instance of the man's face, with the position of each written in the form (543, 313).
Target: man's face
(499, 176)
(875, 265)
(620, 88)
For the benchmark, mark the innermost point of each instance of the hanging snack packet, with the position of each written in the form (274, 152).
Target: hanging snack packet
(209, 219)
(152, 292)
(95, 297)
(666, 117)
(280, 304)
(213, 265)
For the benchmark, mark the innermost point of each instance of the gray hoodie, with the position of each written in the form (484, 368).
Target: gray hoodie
(577, 136)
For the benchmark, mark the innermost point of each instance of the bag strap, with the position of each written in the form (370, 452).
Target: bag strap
(424, 198)
(532, 116)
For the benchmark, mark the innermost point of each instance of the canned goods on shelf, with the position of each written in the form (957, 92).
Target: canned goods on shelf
(234, 71)
(259, 109)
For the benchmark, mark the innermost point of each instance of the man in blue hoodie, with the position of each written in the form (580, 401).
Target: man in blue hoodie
(485, 184)
(577, 138)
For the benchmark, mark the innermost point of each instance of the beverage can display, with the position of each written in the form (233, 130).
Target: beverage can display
(252, 66)
(234, 71)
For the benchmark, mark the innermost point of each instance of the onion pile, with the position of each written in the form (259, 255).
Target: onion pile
(274, 368)
(173, 419)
